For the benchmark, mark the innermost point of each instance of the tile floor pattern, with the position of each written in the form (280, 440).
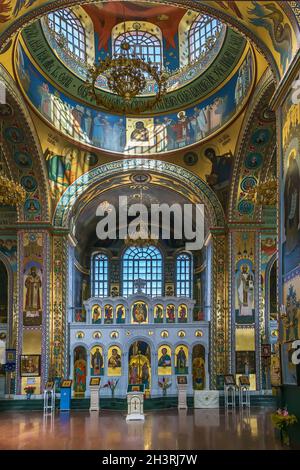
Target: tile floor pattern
(162, 430)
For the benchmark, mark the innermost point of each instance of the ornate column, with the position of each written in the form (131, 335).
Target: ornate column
(33, 308)
(59, 315)
(219, 336)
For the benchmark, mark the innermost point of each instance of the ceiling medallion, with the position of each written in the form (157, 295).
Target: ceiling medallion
(126, 76)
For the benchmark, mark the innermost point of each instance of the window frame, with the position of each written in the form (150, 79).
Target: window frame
(157, 277)
(153, 42)
(95, 290)
(183, 285)
(65, 23)
(197, 37)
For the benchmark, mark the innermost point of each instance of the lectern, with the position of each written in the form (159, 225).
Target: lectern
(182, 389)
(94, 392)
(135, 402)
(65, 395)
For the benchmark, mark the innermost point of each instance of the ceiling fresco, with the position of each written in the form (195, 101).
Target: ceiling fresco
(271, 25)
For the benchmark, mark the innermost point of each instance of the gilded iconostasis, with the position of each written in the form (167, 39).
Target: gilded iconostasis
(226, 125)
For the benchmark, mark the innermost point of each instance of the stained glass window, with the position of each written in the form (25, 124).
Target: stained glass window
(142, 271)
(100, 275)
(64, 23)
(184, 275)
(203, 28)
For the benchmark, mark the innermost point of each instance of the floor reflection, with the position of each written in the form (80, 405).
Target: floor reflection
(170, 429)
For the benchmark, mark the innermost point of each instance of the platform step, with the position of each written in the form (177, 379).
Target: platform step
(120, 404)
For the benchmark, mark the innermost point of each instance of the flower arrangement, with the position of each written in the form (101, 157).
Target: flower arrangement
(112, 385)
(29, 390)
(164, 385)
(281, 419)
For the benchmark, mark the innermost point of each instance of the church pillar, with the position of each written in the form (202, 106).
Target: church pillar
(33, 309)
(59, 353)
(219, 344)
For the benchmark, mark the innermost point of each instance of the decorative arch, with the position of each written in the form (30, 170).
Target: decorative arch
(255, 150)
(247, 17)
(22, 140)
(97, 175)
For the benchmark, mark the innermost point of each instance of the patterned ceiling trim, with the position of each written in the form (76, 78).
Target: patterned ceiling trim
(24, 154)
(255, 151)
(223, 10)
(103, 172)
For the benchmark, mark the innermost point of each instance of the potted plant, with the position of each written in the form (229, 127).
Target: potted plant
(164, 385)
(112, 385)
(29, 390)
(281, 420)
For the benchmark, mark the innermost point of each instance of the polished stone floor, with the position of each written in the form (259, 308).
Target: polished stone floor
(170, 429)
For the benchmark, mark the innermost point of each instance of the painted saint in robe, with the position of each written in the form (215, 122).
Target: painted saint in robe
(165, 358)
(97, 362)
(108, 314)
(181, 361)
(245, 290)
(96, 315)
(139, 312)
(182, 314)
(170, 311)
(115, 359)
(140, 133)
(79, 372)
(33, 297)
(291, 202)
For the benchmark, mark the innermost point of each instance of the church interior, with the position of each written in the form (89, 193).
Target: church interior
(188, 111)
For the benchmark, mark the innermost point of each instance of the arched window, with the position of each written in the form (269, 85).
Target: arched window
(204, 28)
(100, 275)
(142, 271)
(65, 24)
(143, 44)
(184, 275)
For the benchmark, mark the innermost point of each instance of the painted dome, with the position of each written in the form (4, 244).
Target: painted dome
(211, 70)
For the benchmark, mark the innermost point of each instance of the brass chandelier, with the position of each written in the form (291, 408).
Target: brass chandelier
(11, 193)
(126, 76)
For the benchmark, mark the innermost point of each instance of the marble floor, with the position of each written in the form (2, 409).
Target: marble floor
(170, 429)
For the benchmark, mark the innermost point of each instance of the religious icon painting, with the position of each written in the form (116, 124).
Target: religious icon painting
(139, 366)
(108, 315)
(164, 360)
(139, 312)
(181, 359)
(80, 315)
(198, 367)
(23, 160)
(120, 314)
(32, 311)
(30, 365)
(96, 314)
(80, 371)
(114, 364)
(158, 314)
(97, 361)
(182, 313)
(170, 313)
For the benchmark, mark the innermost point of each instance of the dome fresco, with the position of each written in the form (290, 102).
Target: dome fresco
(211, 73)
(135, 135)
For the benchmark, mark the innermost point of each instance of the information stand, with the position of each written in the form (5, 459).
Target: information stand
(94, 393)
(65, 395)
(49, 398)
(182, 391)
(135, 402)
(229, 391)
(244, 391)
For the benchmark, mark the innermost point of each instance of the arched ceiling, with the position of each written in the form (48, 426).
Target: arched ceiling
(271, 26)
